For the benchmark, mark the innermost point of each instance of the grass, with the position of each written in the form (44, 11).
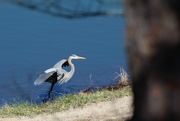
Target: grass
(70, 101)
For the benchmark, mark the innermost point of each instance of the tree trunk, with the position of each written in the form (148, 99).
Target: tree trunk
(153, 48)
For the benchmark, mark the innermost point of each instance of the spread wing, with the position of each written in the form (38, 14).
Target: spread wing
(50, 73)
(62, 63)
(44, 76)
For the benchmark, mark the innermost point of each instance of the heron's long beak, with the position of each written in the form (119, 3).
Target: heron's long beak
(81, 57)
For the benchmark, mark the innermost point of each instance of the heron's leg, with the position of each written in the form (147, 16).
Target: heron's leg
(52, 85)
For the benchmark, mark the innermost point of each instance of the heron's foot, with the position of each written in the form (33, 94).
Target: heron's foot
(47, 100)
(51, 95)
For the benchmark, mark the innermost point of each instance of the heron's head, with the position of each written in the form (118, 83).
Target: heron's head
(73, 56)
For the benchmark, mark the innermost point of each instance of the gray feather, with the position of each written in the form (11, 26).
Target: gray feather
(59, 64)
(44, 76)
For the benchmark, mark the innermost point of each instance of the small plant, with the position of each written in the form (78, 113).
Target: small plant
(124, 78)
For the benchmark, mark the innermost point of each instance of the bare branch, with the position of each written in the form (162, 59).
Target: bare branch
(72, 9)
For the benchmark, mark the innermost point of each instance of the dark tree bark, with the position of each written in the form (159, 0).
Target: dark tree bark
(153, 47)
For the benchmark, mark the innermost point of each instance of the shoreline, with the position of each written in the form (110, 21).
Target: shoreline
(117, 109)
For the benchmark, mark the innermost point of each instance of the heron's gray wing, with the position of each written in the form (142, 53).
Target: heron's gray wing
(62, 76)
(44, 76)
(61, 63)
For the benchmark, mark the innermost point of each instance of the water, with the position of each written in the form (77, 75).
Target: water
(32, 42)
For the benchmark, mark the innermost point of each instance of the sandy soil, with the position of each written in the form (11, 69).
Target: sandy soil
(116, 110)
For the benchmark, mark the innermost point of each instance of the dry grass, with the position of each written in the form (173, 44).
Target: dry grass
(123, 82)
(123, 76)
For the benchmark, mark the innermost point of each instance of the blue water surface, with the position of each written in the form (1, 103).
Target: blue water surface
(31, 42)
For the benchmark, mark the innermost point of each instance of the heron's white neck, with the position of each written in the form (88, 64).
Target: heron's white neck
(72, 66)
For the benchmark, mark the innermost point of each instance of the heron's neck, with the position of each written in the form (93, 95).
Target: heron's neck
(72, 65)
